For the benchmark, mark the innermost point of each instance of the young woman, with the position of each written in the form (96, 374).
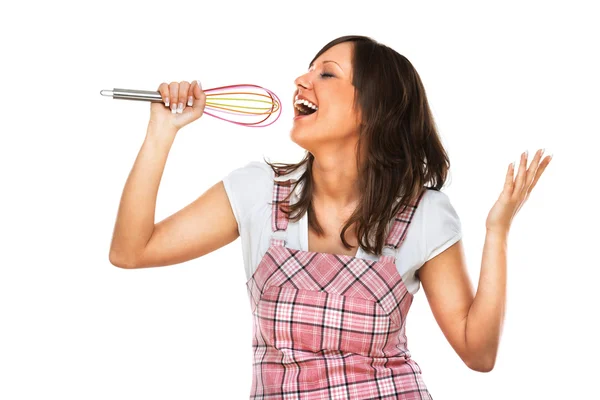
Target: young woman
(336, 246)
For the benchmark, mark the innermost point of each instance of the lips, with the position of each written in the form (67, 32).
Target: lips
(298, 113)
(302, 104)
(302, 116)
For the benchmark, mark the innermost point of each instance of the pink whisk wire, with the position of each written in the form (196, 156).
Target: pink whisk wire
(274, 99)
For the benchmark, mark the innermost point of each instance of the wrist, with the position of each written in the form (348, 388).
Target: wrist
(499, 233)
(162, 130)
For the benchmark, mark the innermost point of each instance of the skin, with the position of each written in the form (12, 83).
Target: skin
(471, 320)
(331, 134)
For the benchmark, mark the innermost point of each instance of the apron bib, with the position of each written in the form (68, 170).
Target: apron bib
(330, 326)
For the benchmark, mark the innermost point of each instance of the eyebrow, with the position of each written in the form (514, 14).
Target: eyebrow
(327, 61)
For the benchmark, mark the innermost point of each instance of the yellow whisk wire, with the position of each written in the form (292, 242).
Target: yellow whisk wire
(243, 103)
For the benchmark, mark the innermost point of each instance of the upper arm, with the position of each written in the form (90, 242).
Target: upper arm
(203, 226)
(450, 294)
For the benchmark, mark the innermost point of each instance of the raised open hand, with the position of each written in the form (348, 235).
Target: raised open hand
(516, 192)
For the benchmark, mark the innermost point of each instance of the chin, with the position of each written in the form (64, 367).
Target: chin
(303, 137)
(299, 136)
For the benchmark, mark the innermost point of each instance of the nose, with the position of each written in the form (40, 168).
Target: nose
(303, 81)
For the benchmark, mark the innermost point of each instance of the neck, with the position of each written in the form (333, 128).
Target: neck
(335, 182)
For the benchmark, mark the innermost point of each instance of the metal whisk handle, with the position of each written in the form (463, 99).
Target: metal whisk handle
(132, 94)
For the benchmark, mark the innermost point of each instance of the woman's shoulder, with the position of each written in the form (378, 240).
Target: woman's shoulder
(434, 205)
(249, 184)
(430, 197)
(259, 168)
(252, 173)
(439, 212)
(435, 198)
(263, 170)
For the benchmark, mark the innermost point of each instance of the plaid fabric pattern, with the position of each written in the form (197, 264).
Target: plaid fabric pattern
(329, 326)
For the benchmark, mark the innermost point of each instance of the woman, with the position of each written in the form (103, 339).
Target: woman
(332, 265)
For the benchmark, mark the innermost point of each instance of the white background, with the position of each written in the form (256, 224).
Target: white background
(501, 78)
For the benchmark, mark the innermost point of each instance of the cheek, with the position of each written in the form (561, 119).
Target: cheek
(344, 114)
(339, 109)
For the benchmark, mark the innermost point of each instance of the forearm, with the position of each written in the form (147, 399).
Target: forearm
(135, 217)
(486, 315)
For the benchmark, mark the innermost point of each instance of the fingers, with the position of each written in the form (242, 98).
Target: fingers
(190, 94)
(174, 95)
(527, 177)
(184, 87)
(520, 180)
(179, 95)
(533, 169)
(164, 93)
(509, 180)
(194, 92)
(540, 170)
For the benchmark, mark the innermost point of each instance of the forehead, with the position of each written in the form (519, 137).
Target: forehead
(340, 53)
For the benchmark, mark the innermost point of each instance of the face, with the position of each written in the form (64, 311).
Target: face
(328, 86)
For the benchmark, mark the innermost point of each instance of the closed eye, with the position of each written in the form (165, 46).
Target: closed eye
(325, 74)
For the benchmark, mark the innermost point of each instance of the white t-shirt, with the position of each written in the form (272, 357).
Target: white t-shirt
(435, 225)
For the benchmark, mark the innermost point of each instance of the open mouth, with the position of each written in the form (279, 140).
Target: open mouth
(304, 107)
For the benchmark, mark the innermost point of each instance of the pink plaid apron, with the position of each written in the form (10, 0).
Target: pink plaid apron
(330, 326)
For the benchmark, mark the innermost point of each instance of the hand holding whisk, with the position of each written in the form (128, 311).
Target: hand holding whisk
(246, 105)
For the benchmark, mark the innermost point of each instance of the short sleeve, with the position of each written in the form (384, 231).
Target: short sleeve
(442, 224)
(248, 187)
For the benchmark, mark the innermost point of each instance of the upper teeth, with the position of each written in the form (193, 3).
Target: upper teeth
(306, 103)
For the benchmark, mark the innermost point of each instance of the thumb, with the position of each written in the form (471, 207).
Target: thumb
(198, 93)
(199, 98)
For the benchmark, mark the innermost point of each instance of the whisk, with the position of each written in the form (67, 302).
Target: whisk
(242, 104)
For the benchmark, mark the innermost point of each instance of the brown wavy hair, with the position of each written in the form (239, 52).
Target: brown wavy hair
(403, 150)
